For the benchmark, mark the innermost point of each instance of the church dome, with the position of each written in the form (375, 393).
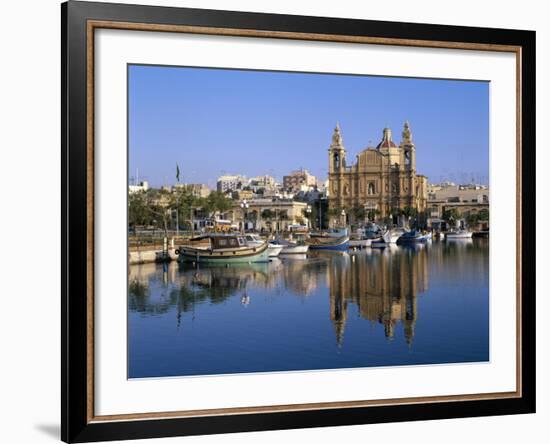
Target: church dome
(386, 140)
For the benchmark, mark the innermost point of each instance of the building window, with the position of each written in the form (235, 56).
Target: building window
(370, 188)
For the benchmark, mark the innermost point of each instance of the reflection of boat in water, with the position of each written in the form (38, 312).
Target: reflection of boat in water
(222, 248)
(288, 247)
(458, 234)
(328, 243)
(295, 257)
(256, 240)
(414, 236)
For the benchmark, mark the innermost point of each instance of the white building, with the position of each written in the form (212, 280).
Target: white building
(142, 186)
(231, 183)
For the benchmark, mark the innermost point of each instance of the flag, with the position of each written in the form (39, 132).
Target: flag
(177, 172)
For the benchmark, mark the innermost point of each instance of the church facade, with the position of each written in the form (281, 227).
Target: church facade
(382, 182)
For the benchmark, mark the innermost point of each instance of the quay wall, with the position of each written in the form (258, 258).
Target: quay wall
(145, 256)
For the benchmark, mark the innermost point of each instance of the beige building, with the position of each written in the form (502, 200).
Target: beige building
(299, 181)
(382, 179)
(196, 189)
(268, 214)
(467, 200)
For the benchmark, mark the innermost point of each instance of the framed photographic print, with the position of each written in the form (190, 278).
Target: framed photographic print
(276, 221)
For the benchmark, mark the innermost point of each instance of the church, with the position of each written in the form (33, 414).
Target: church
(380, 184)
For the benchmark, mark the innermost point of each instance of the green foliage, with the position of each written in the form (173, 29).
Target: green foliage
(475, 218)
(451, 214)
(334, 212)
(267, 214)
(409, 212)
(359, 213)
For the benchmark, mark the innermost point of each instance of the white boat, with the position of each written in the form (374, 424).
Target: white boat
(391, 236)
(459, 234)
(254, 240)
(289, 247)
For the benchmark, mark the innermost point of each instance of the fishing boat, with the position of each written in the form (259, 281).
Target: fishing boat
(333, 232)
(328, 243)
(388, 238)
(255, 240)
(413, 236)
(289, 247)
(458, 234)
(222, 248)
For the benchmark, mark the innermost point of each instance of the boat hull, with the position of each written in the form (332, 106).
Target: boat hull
(241, 255)
(297, 249)
(274, 250)
(330, 244)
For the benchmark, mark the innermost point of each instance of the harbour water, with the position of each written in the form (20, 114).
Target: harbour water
(403, 305)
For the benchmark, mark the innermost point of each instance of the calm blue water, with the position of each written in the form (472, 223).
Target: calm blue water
(399, 306)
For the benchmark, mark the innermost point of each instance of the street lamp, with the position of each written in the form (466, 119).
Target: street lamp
(244, 207)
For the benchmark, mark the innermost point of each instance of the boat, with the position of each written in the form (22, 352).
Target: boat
(459, 234)
(222, 248)
(413, 236)
(333, 232)
(370, 231)
(288, 247)
(328, 243)
(255, 240)
(389, 237)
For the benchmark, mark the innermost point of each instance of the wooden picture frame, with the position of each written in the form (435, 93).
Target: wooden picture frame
(79, 22)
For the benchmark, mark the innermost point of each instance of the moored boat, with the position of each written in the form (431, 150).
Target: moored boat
(288, 247)
(328, 243)
(459, 234)
(413, 236)
(222, 248)
(333, 232)
(255, 240)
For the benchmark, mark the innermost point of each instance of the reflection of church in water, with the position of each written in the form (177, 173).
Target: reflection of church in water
(384, 287)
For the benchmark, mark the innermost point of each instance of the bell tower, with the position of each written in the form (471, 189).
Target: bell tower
(337, 152)
(408, 147)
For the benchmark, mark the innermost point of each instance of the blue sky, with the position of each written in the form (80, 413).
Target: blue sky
(216, 121)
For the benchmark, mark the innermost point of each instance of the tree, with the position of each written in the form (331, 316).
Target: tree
(267, 214)
(138, 210)
(218, 202)
(371, 214)
(451, 215)
(483, 215)
(409, 212)
(359, 213)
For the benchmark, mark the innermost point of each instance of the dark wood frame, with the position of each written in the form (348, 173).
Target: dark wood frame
(79, 19)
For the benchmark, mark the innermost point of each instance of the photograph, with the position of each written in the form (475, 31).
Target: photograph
(284, 221)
